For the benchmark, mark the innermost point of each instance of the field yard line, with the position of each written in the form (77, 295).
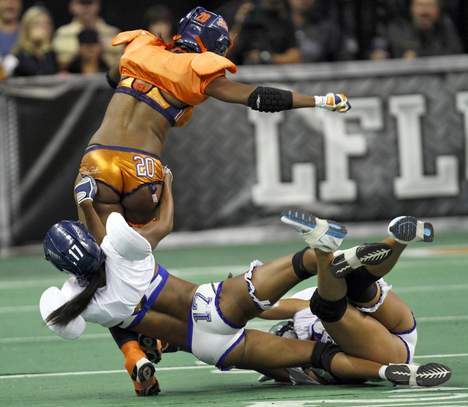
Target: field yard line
(164, 369)
(448, 318)
(422, 403)
(8, 309)
(95, 372)
(36, 339)
(446, 355)
(431, 288)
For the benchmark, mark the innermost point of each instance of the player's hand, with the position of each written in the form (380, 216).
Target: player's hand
(85, 190)
(168, 177)
(335, 102)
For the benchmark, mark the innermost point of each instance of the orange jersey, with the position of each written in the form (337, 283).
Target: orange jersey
(183, 75)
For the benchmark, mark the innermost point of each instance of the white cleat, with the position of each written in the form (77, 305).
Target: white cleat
(428, 375)
(407, 229)
(369, 254)
(318, 233)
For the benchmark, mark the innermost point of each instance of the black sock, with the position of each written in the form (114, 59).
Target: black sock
(361, 285)
(298, 265)
(122, 336)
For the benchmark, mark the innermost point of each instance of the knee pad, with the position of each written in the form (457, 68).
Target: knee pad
(327, 311)
(323, 354)
(361, 285)
(298, 265)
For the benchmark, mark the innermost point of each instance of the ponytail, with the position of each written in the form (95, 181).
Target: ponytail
(73, 308)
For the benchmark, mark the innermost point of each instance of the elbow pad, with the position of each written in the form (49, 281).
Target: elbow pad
(270, 100)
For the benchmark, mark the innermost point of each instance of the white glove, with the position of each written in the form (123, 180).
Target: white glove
(335, 102)
(85, 190)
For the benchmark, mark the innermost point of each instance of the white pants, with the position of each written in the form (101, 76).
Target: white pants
(211, 336)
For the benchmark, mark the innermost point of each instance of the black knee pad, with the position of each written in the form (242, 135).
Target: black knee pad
(298, 265)
(323, 354)
(361, 285)
(327, 311)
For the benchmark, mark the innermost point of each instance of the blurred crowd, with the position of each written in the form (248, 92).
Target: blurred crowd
(263, 32)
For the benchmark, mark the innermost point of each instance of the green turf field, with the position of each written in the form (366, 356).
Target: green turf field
(39, 369)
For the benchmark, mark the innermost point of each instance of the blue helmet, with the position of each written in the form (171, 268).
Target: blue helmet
(202, 30)
(70, 247)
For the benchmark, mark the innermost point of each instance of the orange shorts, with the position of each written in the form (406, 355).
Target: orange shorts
(123, 169)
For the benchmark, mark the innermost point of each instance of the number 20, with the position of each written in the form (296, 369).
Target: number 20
(145, 166)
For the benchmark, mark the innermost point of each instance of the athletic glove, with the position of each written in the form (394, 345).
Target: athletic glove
(335, 102)
(85, 190)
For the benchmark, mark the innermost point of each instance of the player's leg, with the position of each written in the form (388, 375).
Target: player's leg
(267, 283)
(262, 351)
(245, 296)
(140, 369)
(357, 334)
(365, 289)
(379, 258)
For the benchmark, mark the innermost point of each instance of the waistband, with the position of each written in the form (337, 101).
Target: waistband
(151, 95)
(93, 147)
(159, 281)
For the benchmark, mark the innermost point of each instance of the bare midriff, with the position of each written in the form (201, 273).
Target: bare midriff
(131, 123)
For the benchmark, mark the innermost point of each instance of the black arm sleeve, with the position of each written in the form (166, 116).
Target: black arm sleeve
(271, 100)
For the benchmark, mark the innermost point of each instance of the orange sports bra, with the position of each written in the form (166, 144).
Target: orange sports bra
(184, 76)
(151, 95)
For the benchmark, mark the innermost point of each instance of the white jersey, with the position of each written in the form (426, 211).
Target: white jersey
(129, 265)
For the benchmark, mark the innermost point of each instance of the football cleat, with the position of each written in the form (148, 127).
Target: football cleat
(369, 254)
(144, 381)
(149, 389)
(407, 229)
(431, 374)
(318, 233)
(151, 347)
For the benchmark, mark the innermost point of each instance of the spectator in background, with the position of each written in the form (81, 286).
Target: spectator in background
(428, 32)
(34, 47)
(85, 16)
(9, 24)
(160, 22)
(229, 10)
(90, 58)
(318, 36)
(263, 33)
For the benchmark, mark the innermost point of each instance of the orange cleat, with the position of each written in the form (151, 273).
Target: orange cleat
(140, 369)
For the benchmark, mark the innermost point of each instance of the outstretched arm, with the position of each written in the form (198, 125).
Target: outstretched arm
(267, 99)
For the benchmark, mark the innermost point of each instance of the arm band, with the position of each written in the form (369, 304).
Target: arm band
(111, 81)
(267, 99)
